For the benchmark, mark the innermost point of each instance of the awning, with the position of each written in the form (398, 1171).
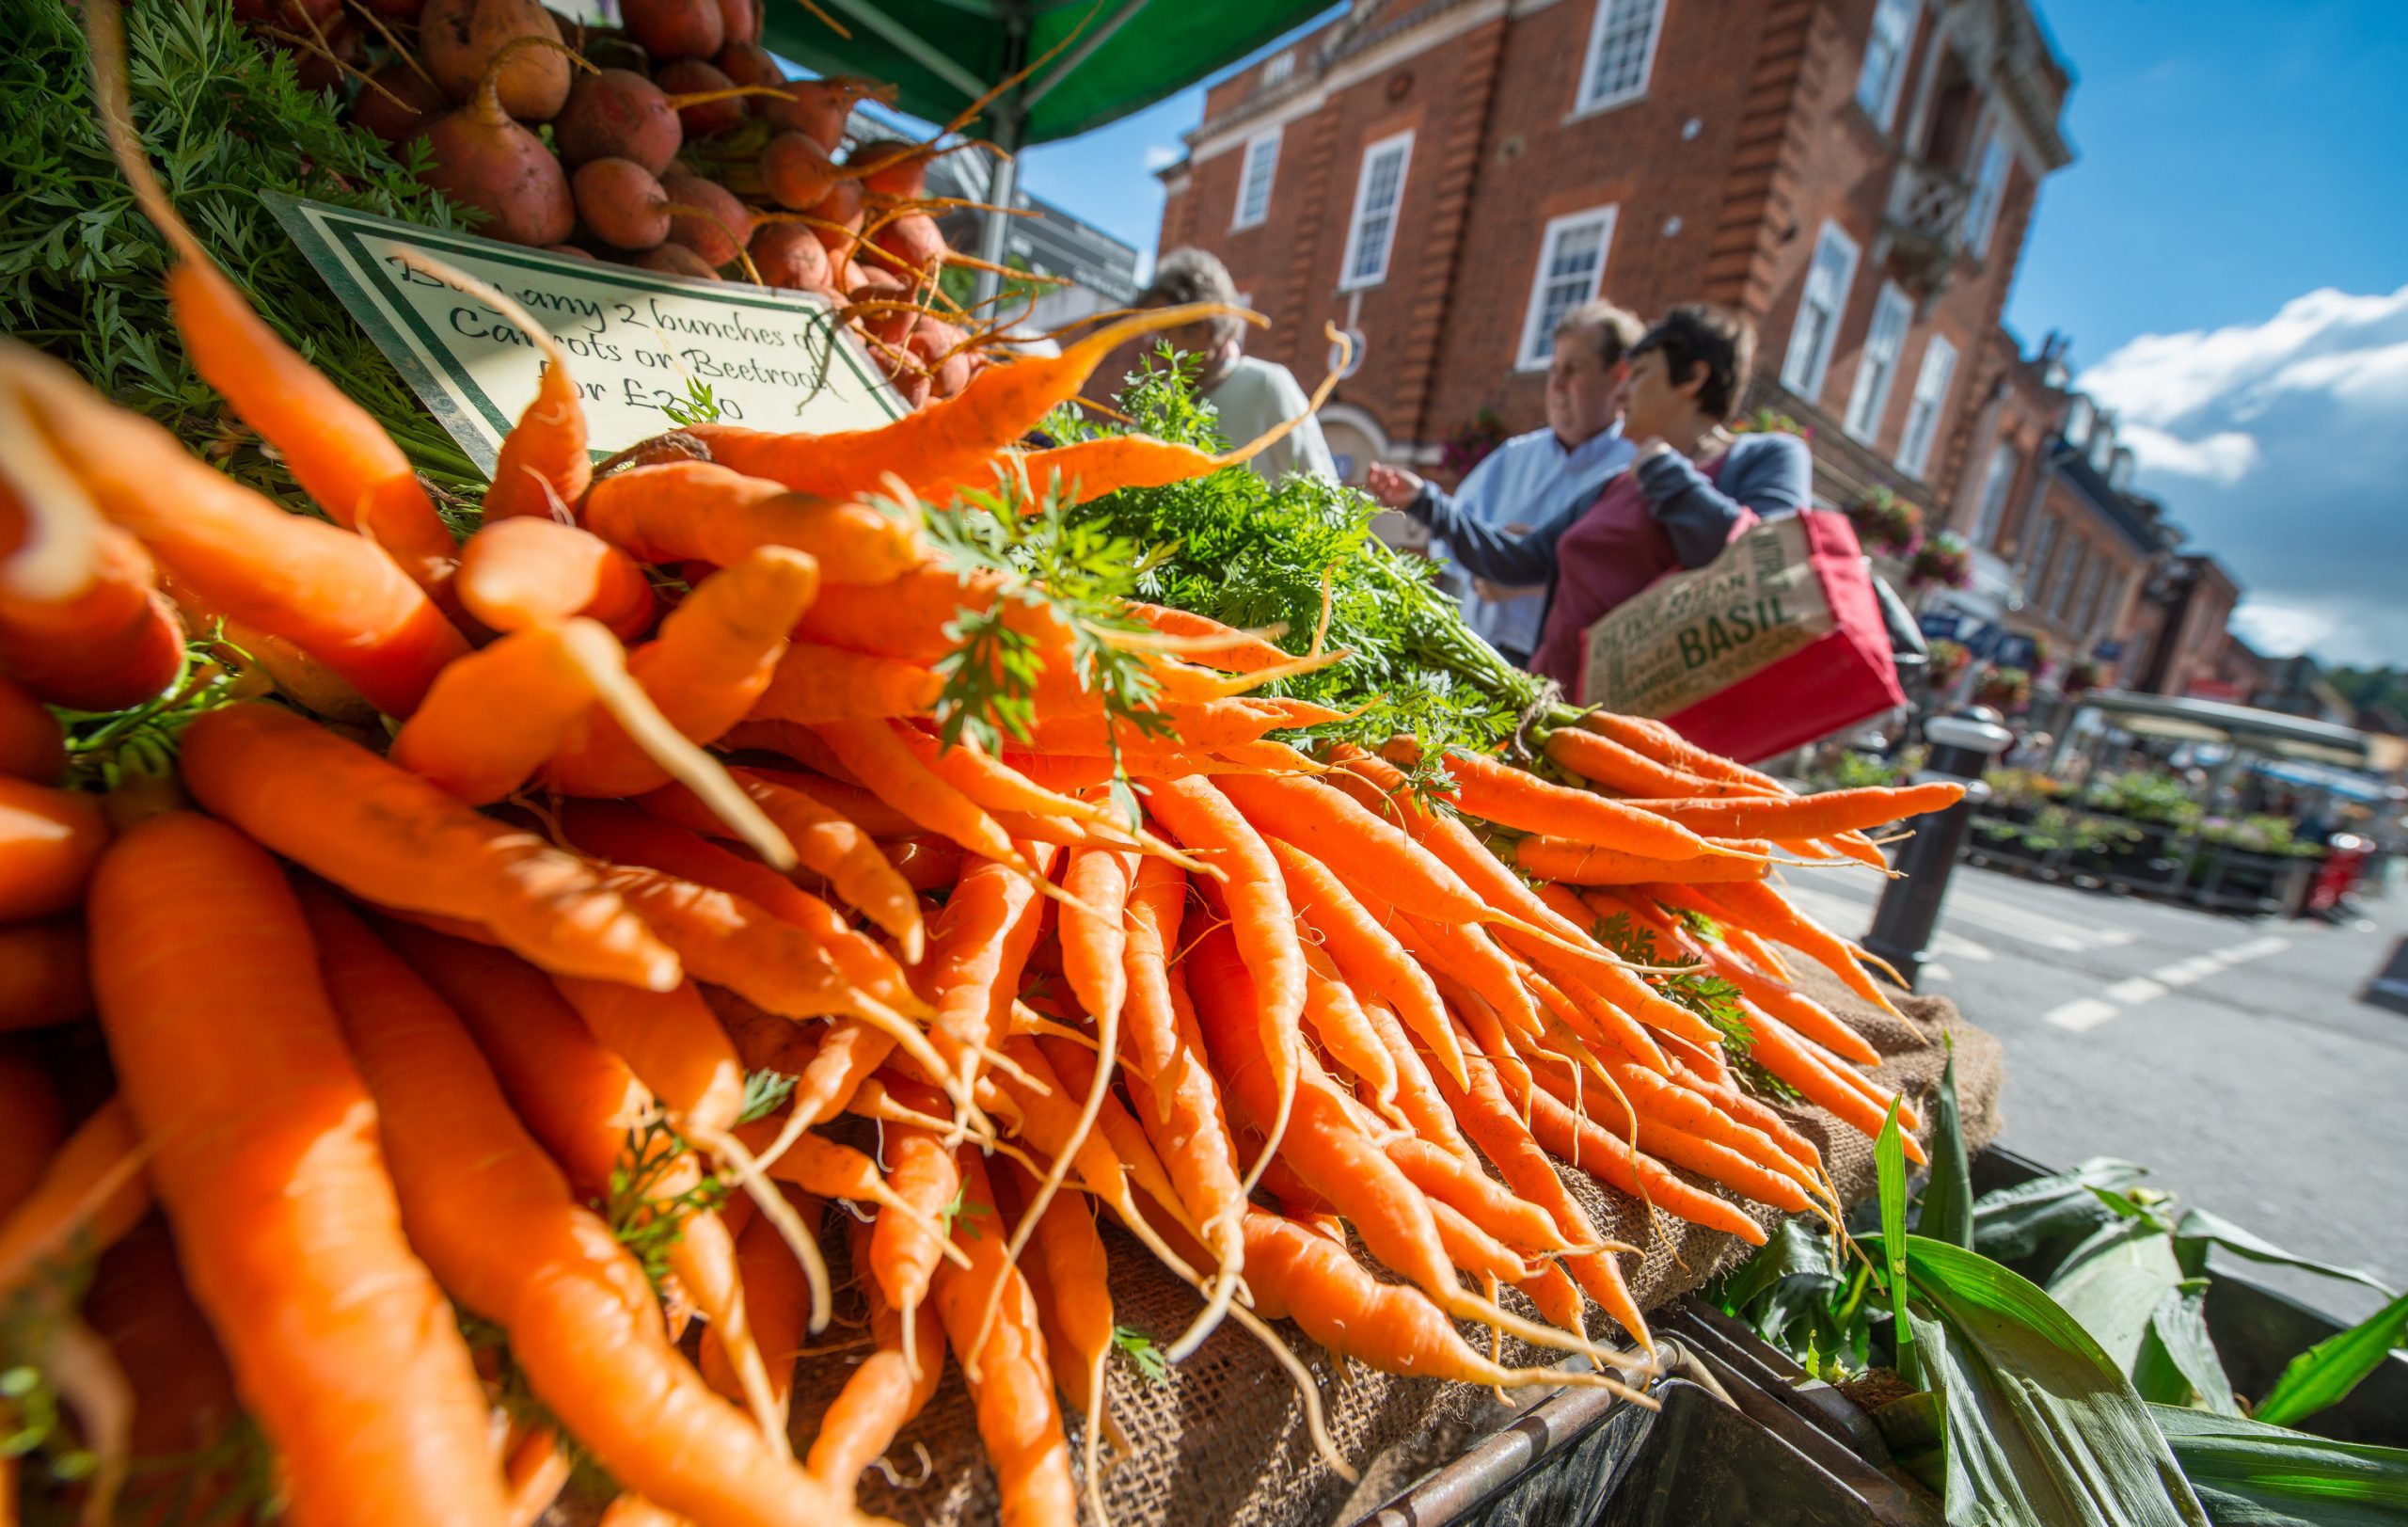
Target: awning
(1121, 56)
(2244, 727)
(2345, 783)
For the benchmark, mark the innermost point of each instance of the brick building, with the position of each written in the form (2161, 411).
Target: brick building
(1444, 179)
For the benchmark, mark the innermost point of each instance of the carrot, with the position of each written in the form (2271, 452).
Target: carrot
(1763, 911)
(1011, 1380)
(579, 1314)
(338, 597)
(32, 1123)
(1472, 1250)
(908, 617)
(777, 1300)
(32, 746)
(1451, 1180)
(1696, 1112)
(1655, 740)
(1210, 642)
(1796, 1009)
(1576, 863)
(946, 439)
(1610, 1159)
(1094, 941)
(712, 658)
(1338, 1020)
(1824, 1083)
(1750, 1111)
(825, 842)
(1178, 1108)
(1417, 1096)
(544, 465)
(1366, 950)
(298, 677)
(924, 862)
(77, 1197)
(1806, 815)
(903, 1249)
(698, 511)
(1528, 804)
(342, 457)
(672, 1043)
(385, 835)
(626, 1510)
(886, 1389)
(266, 1159)
(1077, 1290)
(536, 1467)
(1732, 1156)
(627, 835)
(817, 683)
(49, 842)
(82, 624)
(493, 717)
(1216, 725)
(1263, 923)
(186, 1407)
(531, 570)
(1154, 908)
(1602, 760)
(983, 939)
(884, 763)
(1358, 847)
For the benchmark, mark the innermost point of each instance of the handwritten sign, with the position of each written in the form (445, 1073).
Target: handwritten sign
(638, 344)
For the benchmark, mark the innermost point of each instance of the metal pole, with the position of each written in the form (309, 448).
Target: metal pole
(1001, 188)
(1961, 748)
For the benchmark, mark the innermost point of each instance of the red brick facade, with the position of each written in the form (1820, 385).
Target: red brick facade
(1721, 169)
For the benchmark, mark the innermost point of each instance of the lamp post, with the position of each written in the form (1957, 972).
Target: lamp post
(1961, 748)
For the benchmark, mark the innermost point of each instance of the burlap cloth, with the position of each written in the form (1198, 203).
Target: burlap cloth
(1221, 1439)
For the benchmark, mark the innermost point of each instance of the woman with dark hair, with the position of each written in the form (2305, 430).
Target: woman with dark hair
(1688, 490)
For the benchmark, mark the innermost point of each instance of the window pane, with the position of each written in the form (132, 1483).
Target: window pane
(1923, 414)
(1253, 192)
(1376, 208)
(1990, 184)
(1877, 371)
(1885, 59)
(1571, 267)
(1818, 310)
(1995, 489)
(1624, 35)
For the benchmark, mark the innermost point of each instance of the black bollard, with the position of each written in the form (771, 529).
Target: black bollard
(1961, 748)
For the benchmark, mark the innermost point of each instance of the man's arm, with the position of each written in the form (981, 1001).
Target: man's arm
(1492, 552)
(1769, 474)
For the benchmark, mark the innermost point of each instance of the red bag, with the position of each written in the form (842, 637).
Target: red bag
(1775, 642)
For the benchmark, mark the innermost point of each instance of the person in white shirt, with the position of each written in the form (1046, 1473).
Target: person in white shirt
(1530, 476)
(1252, 396)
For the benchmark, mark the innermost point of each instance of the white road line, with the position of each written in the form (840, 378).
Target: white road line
(2082, 1014)
(2085, 1013)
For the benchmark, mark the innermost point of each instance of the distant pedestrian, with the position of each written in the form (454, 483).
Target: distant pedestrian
(1530, 477)
(1689, 489)
(1251, 395)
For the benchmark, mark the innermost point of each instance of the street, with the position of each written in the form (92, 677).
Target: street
(2232, 1058)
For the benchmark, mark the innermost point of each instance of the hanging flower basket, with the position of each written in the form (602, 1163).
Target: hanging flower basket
(1946, 661)
(2087, 674)
(2043, 651)
(1945, 559)
(1470, 444)
(2005, 690)
(1766, 421)
(1886, 522)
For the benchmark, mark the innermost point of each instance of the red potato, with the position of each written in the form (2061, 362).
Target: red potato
(617, 114)
(481, 158)
(621, 203)
(397, 101)
(710, 221)
(677, 260)
(671, 29)
(740, 24)
(789, 256)
(797, 171)
(461, 40)
(688, 77)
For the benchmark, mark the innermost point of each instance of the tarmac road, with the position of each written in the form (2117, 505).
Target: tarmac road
(2231, 1057)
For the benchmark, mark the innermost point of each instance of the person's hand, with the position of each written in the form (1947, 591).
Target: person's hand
(1393, 487)
(1499, 592)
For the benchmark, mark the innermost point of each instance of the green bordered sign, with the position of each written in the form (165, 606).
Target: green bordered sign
(638, 343)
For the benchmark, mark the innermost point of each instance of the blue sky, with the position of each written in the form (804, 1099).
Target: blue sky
(2230, 253)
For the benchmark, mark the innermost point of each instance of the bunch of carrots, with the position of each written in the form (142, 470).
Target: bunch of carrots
(487, 989)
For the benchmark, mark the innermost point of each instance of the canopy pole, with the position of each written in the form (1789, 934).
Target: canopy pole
(1010, 124)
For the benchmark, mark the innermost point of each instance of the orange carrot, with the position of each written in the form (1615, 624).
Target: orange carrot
(1210, 643)
(1806, 815)
(947, 439)
(903, 1249)
(777, 1301)
(1333, 829)
(1338, 1020)
(44, 976)
(1794, 1008)
(528, 571)
(885, 1390)
(1451, 1180)
(698, 511)
(1654, 739)
(815, 683)
(1526, 802)
(1603, 761)
(386, 835)
(1094, 941)
(1765, 910)
(339, 596)
(1178, 1108)
(265, 1154)
(1155, 906)
(884, 763)
(82, 624)
(493, 717)
(544, 465)
(49, 842)
(1367, 950)
(72, 1197)
(1576, 863)
(32, 746)
(1070, 1255)
(672, 1043)
(1825, 1083)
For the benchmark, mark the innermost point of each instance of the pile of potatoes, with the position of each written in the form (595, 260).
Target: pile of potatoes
(676, 143)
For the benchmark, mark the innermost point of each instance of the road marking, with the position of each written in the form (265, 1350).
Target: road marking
(2085, 1013)
(1935, 971)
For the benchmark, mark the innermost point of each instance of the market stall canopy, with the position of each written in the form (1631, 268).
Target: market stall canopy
(2243, 726)
(1121, 56)
(2346, 783)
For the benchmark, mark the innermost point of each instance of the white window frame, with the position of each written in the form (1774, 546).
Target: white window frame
(1804, 370)
(2065, 598)
(1998, 483)
(1537, 348)
(1402, 145)
(2092, 595)
(1248, 172)
(1876, 364)
(1920, 433)
(1991, 168)
(1903, 15)
(1584, 101)
(2043, 546)
(1279, 68)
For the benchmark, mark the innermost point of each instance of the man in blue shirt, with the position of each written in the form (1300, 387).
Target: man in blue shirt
(1532, 476)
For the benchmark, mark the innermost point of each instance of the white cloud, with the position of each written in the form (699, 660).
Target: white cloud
(1163, 155)
(2279, 446)
(2224, 457)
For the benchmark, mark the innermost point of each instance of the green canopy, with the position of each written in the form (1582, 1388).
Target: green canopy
(1121, 56)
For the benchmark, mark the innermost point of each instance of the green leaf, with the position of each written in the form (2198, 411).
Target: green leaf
(1143, 1355)
(2042, 1427)
(2325, 1373)
(1796, 1247)
(1916, 1430)
(2115, 1292)
(2014, 1222)
(2178, 1362)
(1948, 1199)
(2201, 1225)
(2250, 1474)
(1890, 1157)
